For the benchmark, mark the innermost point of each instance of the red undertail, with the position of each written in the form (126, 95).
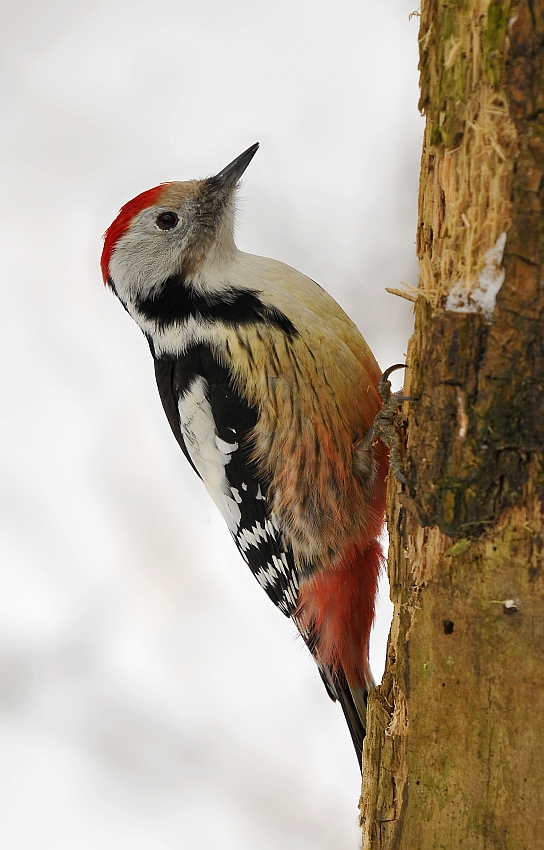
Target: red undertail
(337, 607)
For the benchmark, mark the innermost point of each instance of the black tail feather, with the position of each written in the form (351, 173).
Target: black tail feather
(356, 725)
(353, 702)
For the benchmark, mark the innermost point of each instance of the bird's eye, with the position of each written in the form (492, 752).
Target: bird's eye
(166, 220)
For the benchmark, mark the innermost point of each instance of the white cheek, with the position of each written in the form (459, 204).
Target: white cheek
(145, 256)
(139, 264)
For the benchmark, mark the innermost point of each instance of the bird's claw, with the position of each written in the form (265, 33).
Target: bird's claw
(384, 424)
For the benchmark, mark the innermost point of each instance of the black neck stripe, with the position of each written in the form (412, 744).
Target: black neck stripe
(175, 303)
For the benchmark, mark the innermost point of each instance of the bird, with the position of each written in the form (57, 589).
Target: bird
(272, 394)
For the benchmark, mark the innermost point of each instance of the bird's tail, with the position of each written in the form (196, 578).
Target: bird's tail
(353, 705)
(353, 701)
(335, 616)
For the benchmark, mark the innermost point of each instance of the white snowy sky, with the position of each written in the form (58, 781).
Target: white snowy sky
(151, 696)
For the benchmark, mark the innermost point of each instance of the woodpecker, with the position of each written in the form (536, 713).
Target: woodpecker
(271, 392)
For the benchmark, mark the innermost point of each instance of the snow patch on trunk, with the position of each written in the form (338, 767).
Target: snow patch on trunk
(480, 299)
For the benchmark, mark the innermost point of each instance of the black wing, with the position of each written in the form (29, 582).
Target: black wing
(212, 424)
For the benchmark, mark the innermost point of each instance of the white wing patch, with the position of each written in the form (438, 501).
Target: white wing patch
(209, 453)
(240, 499)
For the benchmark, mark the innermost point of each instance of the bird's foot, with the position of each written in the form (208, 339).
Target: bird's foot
(384, 422)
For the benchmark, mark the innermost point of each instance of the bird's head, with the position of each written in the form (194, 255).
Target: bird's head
(175, 230)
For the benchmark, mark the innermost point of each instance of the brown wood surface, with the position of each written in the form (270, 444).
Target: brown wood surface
(454, 756)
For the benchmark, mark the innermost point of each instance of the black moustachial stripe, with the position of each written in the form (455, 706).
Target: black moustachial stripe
(175, 302)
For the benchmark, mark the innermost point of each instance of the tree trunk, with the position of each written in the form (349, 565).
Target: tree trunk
(454, 756)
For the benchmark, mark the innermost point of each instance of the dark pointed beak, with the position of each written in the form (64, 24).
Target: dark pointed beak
(229, 176)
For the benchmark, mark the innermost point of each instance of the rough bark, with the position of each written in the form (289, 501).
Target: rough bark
(454, 756)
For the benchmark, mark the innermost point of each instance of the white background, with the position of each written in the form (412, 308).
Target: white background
(150, 695)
